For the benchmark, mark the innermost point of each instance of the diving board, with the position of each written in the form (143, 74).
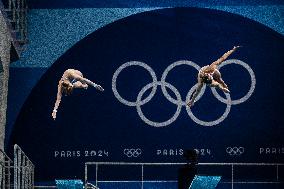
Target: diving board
(205, 182)
(69, 184)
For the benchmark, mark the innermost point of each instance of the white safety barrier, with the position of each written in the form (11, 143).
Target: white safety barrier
(233, 170)
(23, 170)
(5, 170)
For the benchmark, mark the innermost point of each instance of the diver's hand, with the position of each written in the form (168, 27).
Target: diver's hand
(54, 114)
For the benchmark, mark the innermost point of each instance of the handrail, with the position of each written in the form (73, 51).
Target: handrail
(23, 169)
(232, 166)
(5, 170)
(5, 155)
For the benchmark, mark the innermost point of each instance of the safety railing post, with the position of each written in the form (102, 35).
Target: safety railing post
(23, 170)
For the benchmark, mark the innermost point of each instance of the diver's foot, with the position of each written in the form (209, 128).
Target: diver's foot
(226, 90)
(190, 103)
(236, 47)
(98, 87)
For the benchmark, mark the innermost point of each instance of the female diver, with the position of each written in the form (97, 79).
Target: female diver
(210, 75)
(71, 79)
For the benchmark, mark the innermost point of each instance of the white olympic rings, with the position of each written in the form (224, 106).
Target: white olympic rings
(132, 152)
(235, 150)
(178, 101)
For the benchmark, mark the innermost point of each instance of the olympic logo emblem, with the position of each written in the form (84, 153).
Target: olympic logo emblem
(235, 150)
(132, 152)
(178, 101)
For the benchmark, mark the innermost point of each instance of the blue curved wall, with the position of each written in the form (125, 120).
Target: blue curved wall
(92, 121)
(55, 26)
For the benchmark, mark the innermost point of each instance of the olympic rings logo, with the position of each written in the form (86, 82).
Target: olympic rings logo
(235, 150)
(132, 152)
(178, 101)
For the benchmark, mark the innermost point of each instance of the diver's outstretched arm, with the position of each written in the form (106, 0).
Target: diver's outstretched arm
(58, 100)
(84, 80)
(195, 94)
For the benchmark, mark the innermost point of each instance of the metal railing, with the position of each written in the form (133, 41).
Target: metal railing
(5, 171)
(23, 170)
(232, 166)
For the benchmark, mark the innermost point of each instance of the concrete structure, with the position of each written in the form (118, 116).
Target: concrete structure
(5, 46)
(10, 48)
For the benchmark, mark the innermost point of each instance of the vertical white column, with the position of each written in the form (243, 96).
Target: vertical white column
(97, 174)
(142, 176)
(86, 175)
(277, 172)
(232, 176)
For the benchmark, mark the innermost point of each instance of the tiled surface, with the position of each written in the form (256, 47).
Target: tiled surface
(54, 31)
(144, 3)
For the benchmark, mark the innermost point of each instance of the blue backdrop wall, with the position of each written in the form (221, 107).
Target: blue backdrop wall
(94, 126)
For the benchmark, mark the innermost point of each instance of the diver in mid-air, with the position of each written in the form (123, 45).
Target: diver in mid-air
(71, 79)
(211, 76)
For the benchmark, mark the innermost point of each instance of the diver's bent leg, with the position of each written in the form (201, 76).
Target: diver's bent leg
(222, 83)
(218, 77)
(78, 84)
(226, 90)
(218, 85)
(88, 82)
(98, 87)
